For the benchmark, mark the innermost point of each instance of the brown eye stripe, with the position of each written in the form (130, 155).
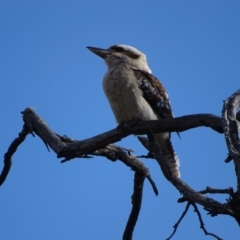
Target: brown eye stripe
(117, 49)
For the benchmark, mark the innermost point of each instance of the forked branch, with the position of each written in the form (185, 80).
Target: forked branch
(231, 130)
(101, 145)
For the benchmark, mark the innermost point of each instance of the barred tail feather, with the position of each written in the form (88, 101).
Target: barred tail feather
(166, 145)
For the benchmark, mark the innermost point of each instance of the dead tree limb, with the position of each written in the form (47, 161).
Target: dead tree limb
(11, 150)
(101, 145)
(78, 148)
(136, 202)
(114, 152)
(231, 128)
(179, 220)
(202, 223)
(214, 207)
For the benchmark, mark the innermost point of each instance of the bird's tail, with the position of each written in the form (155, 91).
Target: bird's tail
(166, 145)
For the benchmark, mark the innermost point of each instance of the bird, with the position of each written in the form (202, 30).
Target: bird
(135, 94)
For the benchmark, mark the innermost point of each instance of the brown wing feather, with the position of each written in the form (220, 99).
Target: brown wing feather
(154, 93)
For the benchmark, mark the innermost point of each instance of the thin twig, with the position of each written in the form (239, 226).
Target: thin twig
(202, 223)
(179, 221)
(217, 191)
(114, 152)
(210, 190)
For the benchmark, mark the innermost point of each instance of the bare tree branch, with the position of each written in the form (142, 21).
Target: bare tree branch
(199, 217)
(114, 152)
(136, 202)
(179, 221)
(184, 123)
(228, 191)
(210, 190)
(11, 150)
(101, 145)
(212, 206)
(231, 131)
(202, 223)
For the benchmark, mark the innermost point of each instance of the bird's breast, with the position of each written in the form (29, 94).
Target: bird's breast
(125, 98)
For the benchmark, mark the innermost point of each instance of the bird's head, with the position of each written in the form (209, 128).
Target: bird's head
(119, 53)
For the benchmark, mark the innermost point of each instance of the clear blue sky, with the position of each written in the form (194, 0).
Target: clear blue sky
(192, 46)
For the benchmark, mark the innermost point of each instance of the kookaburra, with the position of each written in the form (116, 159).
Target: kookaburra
(135, 94)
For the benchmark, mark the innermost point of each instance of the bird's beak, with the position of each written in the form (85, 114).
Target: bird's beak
(99, 51)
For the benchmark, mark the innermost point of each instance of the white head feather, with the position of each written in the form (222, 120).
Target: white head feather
(121, 53)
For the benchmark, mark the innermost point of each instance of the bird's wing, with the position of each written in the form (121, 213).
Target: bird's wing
(154, 93)
(156, 96)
